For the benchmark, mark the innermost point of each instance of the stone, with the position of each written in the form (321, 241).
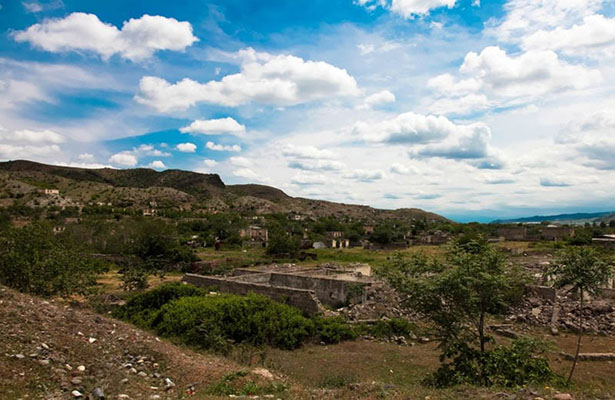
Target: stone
(168, 384)
(81, 368)
(265, 373)
(20, 356)
(98, 394)
(76, 393)
(562, 396)
(143, 374)
(76, 381)
(43, 362)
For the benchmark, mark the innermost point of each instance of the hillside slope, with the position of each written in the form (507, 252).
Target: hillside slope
(44, 344)
(142, 188)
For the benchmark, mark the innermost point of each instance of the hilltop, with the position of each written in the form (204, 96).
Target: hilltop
(185, 190)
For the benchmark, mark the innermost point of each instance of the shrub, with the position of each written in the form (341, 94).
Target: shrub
(141, 309)
(511, 366)
(389, 328)
(211, 321)
(333, 330)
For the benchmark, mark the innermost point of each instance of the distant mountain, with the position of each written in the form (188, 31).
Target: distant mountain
(576, 218)
(142, 187)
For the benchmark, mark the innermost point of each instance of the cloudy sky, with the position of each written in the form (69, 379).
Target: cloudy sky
(473, 109)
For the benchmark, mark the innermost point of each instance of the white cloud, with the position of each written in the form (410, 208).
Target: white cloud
(594, 37)
(494, 78)
(379, 98)
(554, 182)
(39, 6)
(306, 152)
(407, 8)
(124, 158)
(246, 173)
(157, 164)
(317, 165)
(278, 80)
(402, 169)
(407, 128)
(32, 137)
(13, 92)
(186, 147)
(308, 179)
(240, 162)
(138, 39)
(526, 16)
(592, 140)
(220, 147)
(86, 157)
(210, 163)
(215, 127)
(364, 175)
(149, 150)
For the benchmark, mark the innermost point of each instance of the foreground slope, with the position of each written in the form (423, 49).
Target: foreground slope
(44, 343)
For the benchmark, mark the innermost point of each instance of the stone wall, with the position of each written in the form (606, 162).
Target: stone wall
(333, 292)
(305, 300)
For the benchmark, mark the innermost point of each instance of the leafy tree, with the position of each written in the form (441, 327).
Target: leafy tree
(457, 294)
(281, 243)
(34, 260)
(585, 271)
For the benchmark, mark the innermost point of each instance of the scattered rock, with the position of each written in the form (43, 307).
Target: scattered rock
(562, 396)
(98, 394)
(265, 373)
(76, 393)
(168, 384)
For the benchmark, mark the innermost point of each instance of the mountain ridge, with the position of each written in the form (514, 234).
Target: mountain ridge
(141, 187)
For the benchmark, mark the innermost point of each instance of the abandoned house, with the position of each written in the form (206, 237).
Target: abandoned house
(555, 233)
(305, 288)
(255, 233)
(517, 233)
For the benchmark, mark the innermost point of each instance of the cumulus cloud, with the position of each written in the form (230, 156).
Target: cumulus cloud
(278, 80)
(592, 140)
(407, 8)
(246, 173)
(138, 39)
(408, 128)
(594, 37)
(240, 162)
(86, 157)
(379, 98)
(27, 136)
(40, 6)
(210, 163)
(124, 158)
(554, 182)
(157, 164)
(149, 150)
(306, 152)
(309, 179)
(402, 169)
(186, 147)
(219, 147)
(215, 127)
(317, 165)
(364, 175)
(524, 17)
(492, 77)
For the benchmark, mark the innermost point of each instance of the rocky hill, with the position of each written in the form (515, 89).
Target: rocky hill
(186, 190)
(51, 350)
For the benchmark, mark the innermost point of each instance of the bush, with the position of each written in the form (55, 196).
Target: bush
(333, 330)
(511, 366)
(211, 321)
(389, 328)
(142, 308)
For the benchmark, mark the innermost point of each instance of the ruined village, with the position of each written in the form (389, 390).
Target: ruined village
(250, 289)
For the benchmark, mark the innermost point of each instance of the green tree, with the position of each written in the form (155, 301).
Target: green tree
(457, 294)
(34, 260)
(584, 270)
(282, 243)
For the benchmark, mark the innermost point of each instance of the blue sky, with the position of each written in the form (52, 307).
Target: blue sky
(473, 109)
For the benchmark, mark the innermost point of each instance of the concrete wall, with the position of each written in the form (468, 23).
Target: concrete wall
(305, 300)
(333, 292)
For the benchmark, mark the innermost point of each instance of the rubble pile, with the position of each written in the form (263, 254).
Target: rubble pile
(563, 314)
(381, 301)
